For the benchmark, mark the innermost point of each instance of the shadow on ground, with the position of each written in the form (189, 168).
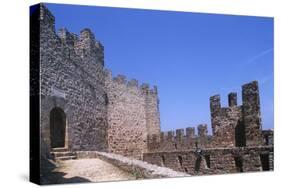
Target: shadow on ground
(50, 176)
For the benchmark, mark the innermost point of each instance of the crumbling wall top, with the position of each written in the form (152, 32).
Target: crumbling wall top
(46, 15)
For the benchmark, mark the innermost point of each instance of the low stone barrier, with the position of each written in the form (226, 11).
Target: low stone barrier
(138, 168)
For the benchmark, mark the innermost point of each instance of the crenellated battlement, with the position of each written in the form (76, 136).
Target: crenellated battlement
(121, 115)
(131, 106)
(67, 38)
(147, 90)
(122, 80)
(83, 47)
(215, 102)
(87, 34)
(237, 125)
(133, 83)
(232, 126)
(88, 48)
(180, 139)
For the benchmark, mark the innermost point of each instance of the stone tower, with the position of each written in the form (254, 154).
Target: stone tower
(82, 106)
(238, 125)
(72, 88)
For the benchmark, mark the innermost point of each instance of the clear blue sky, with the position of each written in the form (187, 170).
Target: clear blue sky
(189, 56)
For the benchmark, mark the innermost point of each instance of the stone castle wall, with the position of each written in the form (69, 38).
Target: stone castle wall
(237, 125)
(72, 80)
(215, 160)
(132, 114)
(105, 113)
(101, 112)
(232, 126)
(238, 143)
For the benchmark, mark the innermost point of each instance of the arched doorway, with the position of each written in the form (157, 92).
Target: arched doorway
(57, 127)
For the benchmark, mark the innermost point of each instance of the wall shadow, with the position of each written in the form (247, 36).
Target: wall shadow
(48, 176)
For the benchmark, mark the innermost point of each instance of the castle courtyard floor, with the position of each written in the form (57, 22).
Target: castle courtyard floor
(87, 170)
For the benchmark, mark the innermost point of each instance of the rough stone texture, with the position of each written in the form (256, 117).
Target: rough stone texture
(100, 112)
(251, 113)
(72, 79)
(233, 126)
(267, 137)
(140, 169)
(212, 161)
(85, 109)
(237, 139)
(132, 115)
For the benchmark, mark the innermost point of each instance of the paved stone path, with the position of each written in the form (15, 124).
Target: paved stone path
(90, 170)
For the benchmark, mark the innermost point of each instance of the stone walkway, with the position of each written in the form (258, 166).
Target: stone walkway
(87, 170)
(140, 168)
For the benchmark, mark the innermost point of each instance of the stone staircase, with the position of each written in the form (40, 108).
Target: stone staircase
(61, 154)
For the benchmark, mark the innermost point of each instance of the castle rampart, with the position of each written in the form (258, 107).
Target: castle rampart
(237, 144)
(180, 140)
(111, 114)
(215, 160)
(229, 124)
(85, 108)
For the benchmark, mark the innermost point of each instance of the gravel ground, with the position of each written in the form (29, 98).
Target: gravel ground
(90, 170)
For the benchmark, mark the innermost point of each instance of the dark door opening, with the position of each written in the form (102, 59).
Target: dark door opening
(238, 164)
(240, 139)
(264, 162)
(57, 127)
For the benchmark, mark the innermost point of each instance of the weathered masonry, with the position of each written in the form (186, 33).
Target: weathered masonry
(85, 108)
(238, 143)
